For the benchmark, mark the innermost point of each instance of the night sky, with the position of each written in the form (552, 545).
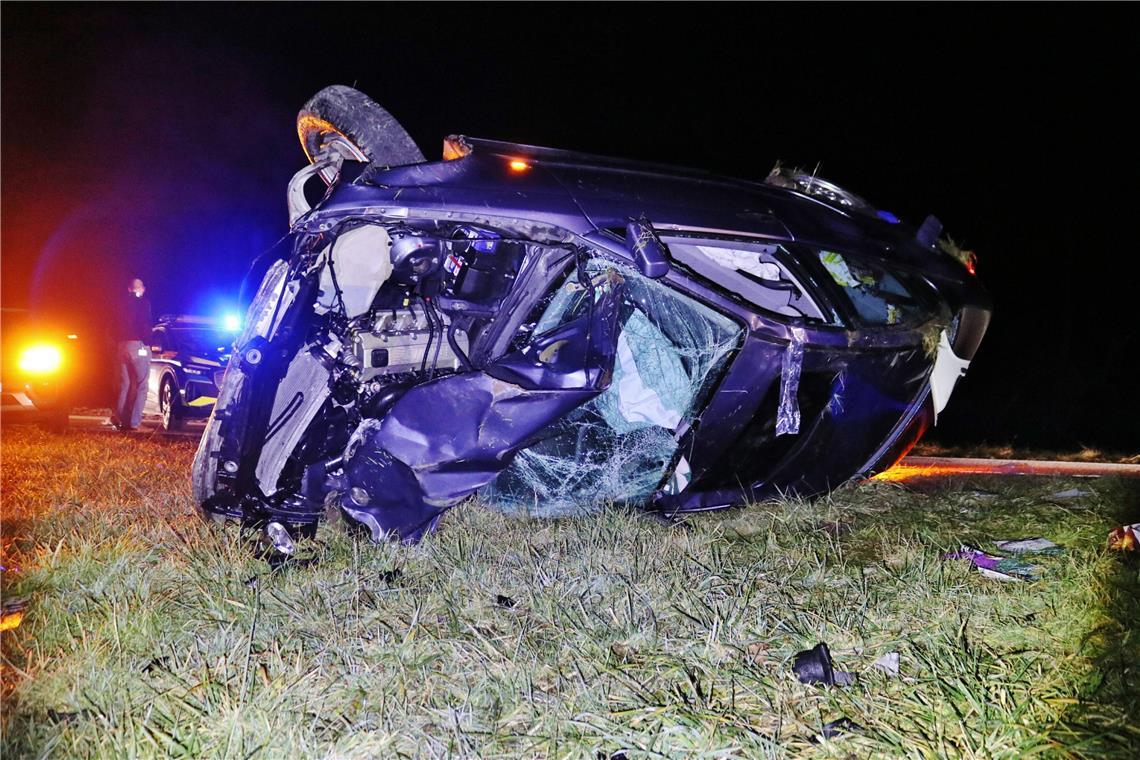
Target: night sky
(158, 140)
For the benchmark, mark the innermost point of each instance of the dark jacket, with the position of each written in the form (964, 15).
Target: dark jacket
(135, 322)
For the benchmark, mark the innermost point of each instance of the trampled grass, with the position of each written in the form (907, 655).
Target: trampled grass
(148, 633)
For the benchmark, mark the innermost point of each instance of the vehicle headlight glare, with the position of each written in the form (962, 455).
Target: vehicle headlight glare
(41, 359)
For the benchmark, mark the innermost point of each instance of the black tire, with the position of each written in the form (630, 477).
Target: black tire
(56, 422)
(171, 408)
(345, 113)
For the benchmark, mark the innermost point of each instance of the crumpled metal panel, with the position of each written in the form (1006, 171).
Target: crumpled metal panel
(445, 439)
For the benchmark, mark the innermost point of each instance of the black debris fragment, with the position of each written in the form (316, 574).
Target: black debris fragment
(58, 717)
(815, 666)
(837, 728)
(618, 755)
(391, 577)
(156, 663)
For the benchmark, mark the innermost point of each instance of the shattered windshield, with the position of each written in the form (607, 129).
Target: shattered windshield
(879, 297)
(618, 447)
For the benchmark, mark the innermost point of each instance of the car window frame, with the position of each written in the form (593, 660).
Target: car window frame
(804, 277)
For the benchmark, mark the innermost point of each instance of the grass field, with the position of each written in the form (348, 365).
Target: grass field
(148, 633)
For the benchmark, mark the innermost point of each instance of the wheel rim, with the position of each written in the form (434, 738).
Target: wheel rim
(167, 404)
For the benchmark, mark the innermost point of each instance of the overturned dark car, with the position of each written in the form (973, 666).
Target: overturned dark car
(555, 331)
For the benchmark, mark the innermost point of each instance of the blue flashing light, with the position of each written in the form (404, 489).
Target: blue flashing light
(887, 216)
(231, 322)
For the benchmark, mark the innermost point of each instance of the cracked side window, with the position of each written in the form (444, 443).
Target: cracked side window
(878, 297)
(621, 445)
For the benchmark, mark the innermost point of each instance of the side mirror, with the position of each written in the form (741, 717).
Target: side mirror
(648, 251)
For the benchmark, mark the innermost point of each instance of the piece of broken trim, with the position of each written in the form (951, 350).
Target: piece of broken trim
(816, 666)
(788, 415)
(948, 368)
(1072, 493)
(888, 663)
(682, 474)
(1124, 538)
(996, 568)
(1029, 546)
(12, 614)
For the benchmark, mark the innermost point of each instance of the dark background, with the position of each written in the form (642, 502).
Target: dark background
(158, 140)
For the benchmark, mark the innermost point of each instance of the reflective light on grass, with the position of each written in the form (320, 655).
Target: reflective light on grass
(933, 467)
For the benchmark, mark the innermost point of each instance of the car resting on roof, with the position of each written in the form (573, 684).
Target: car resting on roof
(555, 331)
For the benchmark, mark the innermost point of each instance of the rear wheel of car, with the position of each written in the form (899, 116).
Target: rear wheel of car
(360, 126)
(170, 406)
(56, 422)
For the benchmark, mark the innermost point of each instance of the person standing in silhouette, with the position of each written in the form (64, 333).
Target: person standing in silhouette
(132, 356)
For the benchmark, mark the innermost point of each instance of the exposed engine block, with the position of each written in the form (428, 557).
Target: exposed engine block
(398, 342)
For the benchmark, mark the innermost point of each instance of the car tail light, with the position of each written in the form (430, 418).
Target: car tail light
(41, 359)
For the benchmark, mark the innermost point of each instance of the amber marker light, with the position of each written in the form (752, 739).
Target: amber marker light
(41, 359)
(519, 165)
(972, 263)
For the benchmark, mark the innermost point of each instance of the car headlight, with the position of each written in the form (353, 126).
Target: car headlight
(41, 359)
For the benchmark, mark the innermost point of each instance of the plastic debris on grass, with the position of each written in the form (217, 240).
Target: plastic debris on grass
(1029, 546)
(12, 614)
(888, 663)
(1124, 538)
(837, 728)
(816, 666)
(996, 568)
